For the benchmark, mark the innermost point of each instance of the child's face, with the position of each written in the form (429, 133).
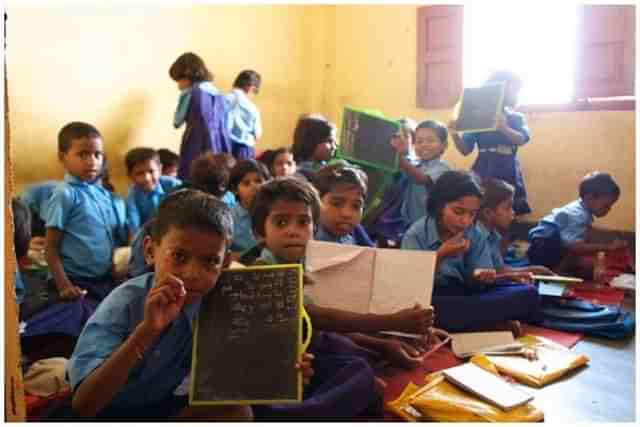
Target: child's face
(402, 141)
(194, 256)
(428, 146)
(288, 228)
(325, 150)
(248, 187)
(184, 84)
(284, 165)
(170, 171)
(458, 215)
(600, 206)
(84, 158)
(146, 175)
(341, 209)
(502, 215)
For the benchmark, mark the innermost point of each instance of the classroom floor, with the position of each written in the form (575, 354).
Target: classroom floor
(604, 391)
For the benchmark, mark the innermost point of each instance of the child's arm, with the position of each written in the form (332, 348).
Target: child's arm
(66, 289)
(416, 320)
(397, 352)
(418, 176)
(183, 107)
(516, 138)
(464, 148)
(162, 306)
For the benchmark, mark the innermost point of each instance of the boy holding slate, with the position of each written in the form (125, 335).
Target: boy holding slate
(136, 350)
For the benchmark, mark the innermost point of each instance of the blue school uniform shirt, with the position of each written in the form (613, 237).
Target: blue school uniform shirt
(454, 270)
(358, 237)
(242, 235)
(243, 123)
(91, 222)
(142, 205)
(571, 222)
(165, 363)
(493, 239)
(311, 166)
(185, 99)
(37, 195)
(414, 204)
(229, 199)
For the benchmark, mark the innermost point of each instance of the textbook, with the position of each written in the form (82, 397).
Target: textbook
(248, 337)
(369, 280)
(470, 343)
(487, 386)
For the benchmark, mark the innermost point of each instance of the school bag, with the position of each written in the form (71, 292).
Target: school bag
(574, 315)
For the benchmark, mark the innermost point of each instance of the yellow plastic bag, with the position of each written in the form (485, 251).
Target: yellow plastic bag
(554, 361)
(439, 400)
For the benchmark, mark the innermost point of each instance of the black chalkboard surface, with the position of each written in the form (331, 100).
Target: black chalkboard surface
(366, 139)
(480, 108)
(248, 338)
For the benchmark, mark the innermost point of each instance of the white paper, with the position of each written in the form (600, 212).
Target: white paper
(624, 281)
(551, 289)
(468, 344)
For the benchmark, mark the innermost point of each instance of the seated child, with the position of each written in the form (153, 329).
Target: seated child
(342, 190)
(564, 233)
(244, 180)
(494, 219)
(314, 144)
(82, 218)
(169, 161)
(36, 197)
(465, 294)
(243, 122)
(282, 163)
(136, 349)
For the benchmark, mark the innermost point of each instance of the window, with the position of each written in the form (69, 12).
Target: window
(581, 57)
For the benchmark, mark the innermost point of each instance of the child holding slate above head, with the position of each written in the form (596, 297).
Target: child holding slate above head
(136, 349)
(497, 149)
(465, 294)
(314, 144)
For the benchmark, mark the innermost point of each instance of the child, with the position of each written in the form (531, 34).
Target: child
(282, 162)
(136, 350)
(82, 218)
(169, 161)
(210, 173)
(497, 150)
(36, 197)
(244, 180)
(342, 190)
(495, 217)
(403, 140)
(203, 109)
(148, 186)
(243, 122)
(21, 238)
(464, 294)
(314, 144)
(564, 233)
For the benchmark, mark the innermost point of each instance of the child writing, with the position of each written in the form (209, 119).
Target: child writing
(494, 219)
(148, 187)
(243, 122)
(205, 116)
(83, 225)
(244, 180)
(564, 233)
(464, 294)
(314, 144)
(342, 191)
(169, 161)
(136, 349)
(497, 150)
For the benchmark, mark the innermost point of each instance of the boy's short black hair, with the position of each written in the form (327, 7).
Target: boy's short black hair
(286, 188)
(75, 130)
(247, 78)
(598, 184)
(210, 172)
(330, 176)
(496, 191)
(450, 186)
(139, 155)
(168, 158)
(191, 67)
(309, 133)
(21, 227)
(244, 167)
(189, 208)
(440, 129)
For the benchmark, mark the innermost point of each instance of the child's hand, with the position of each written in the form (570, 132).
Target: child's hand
(484, 275)
(37, 243)
(617, 244)
(402, 354)
(305, 367)
(453, 246)
(400, 144)
(163, 303)
(416, 320)
(69, 291)
(541, 269)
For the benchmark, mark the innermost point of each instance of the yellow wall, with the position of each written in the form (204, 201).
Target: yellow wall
(375, 67)
(109, 65)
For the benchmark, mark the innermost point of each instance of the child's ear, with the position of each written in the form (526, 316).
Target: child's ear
(148, 248)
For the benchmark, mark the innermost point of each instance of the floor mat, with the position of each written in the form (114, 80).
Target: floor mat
(567, 339)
